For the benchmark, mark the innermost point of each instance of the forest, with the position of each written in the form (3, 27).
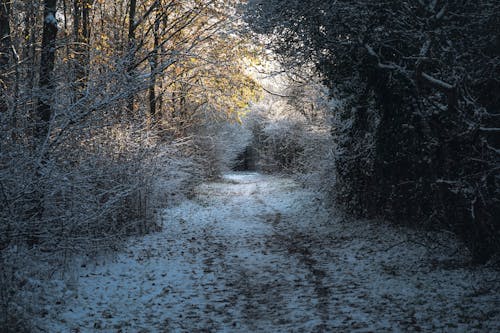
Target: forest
(114, 114)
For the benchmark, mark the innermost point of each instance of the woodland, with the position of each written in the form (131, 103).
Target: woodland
(113, 110)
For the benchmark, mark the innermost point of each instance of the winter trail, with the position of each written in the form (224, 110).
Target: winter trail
(255, 253)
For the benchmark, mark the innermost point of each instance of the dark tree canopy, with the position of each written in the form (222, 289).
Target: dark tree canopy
(419, 126)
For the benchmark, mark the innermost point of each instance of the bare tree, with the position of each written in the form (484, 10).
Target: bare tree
(48, 57)
(153, 61)
(81, 30)
(5, 51)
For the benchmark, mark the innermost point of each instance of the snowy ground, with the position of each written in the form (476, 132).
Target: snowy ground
(256, 253)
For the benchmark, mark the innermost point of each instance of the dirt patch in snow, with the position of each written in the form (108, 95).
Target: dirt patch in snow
(255, 253)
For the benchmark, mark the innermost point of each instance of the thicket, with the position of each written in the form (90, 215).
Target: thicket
(290, 126)
(105, 111)
(417, 130)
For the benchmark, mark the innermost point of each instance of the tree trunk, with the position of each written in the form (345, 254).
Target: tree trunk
(132, 46)
(29, 51)
(81, 28)
(44, 110)
(154, 65)
(5, 51)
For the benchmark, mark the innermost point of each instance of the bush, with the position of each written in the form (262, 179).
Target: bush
(418, 134)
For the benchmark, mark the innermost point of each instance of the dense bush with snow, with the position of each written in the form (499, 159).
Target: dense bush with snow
(90, 191)
(291, 126)
(417, 131)
(106, 113)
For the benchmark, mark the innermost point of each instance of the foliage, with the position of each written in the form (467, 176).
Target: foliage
(104, 111)
(418, 129)
(289, 124)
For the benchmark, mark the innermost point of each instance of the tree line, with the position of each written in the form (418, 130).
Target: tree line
(82, 77)
(101, 104)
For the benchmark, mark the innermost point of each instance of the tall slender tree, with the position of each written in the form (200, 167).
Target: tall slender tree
(132, 47)
(48, 57)
(5, 50)
(81, 30)
(153, 61)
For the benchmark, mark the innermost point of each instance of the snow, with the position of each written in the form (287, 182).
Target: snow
(51, 19)
(257, 253)
(490, 129)
(437, 82)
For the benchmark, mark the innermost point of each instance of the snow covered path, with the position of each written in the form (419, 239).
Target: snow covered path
(254, 253)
